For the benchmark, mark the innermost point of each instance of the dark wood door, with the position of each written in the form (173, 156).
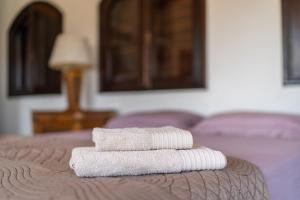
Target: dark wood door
(121, 56)
(178, 55)
(31, 38)
(157, 44)
(291, 40)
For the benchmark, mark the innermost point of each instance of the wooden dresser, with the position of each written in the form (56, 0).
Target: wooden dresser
(69, 121)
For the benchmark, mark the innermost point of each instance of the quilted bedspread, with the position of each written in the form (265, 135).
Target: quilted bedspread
(37, 168)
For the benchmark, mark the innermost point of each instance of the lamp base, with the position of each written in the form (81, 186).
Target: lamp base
(72, 78)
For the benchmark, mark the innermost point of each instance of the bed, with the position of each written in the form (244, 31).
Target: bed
(263, 154)
(37, 168)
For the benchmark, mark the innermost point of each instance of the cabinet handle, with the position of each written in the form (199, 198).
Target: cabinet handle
(148, 37)
(146, 60)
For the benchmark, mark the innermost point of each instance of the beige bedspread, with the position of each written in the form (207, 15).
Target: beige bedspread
(37, 168)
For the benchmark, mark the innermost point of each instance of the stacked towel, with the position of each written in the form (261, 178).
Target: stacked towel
(139, 151)
(134, 139)
(88, 162)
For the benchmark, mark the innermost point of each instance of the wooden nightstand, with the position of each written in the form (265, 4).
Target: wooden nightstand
(69, 121)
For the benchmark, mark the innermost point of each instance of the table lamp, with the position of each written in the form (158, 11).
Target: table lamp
(71, 56)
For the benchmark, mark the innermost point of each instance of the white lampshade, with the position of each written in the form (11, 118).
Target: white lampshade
(70, 51)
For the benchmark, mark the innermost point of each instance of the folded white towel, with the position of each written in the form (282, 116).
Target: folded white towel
(127, 139)
(87, 162)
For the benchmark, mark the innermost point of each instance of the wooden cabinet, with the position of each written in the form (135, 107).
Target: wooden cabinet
(157, 44)
(69, 121)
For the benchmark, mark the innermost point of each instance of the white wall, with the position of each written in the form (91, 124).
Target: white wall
(244, 61)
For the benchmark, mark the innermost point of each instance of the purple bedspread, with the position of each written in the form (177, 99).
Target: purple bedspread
(279, 160)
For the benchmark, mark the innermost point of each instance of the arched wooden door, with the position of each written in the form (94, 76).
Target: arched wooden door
(31, 38)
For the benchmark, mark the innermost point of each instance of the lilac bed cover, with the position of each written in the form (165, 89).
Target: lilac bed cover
(279, 159)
